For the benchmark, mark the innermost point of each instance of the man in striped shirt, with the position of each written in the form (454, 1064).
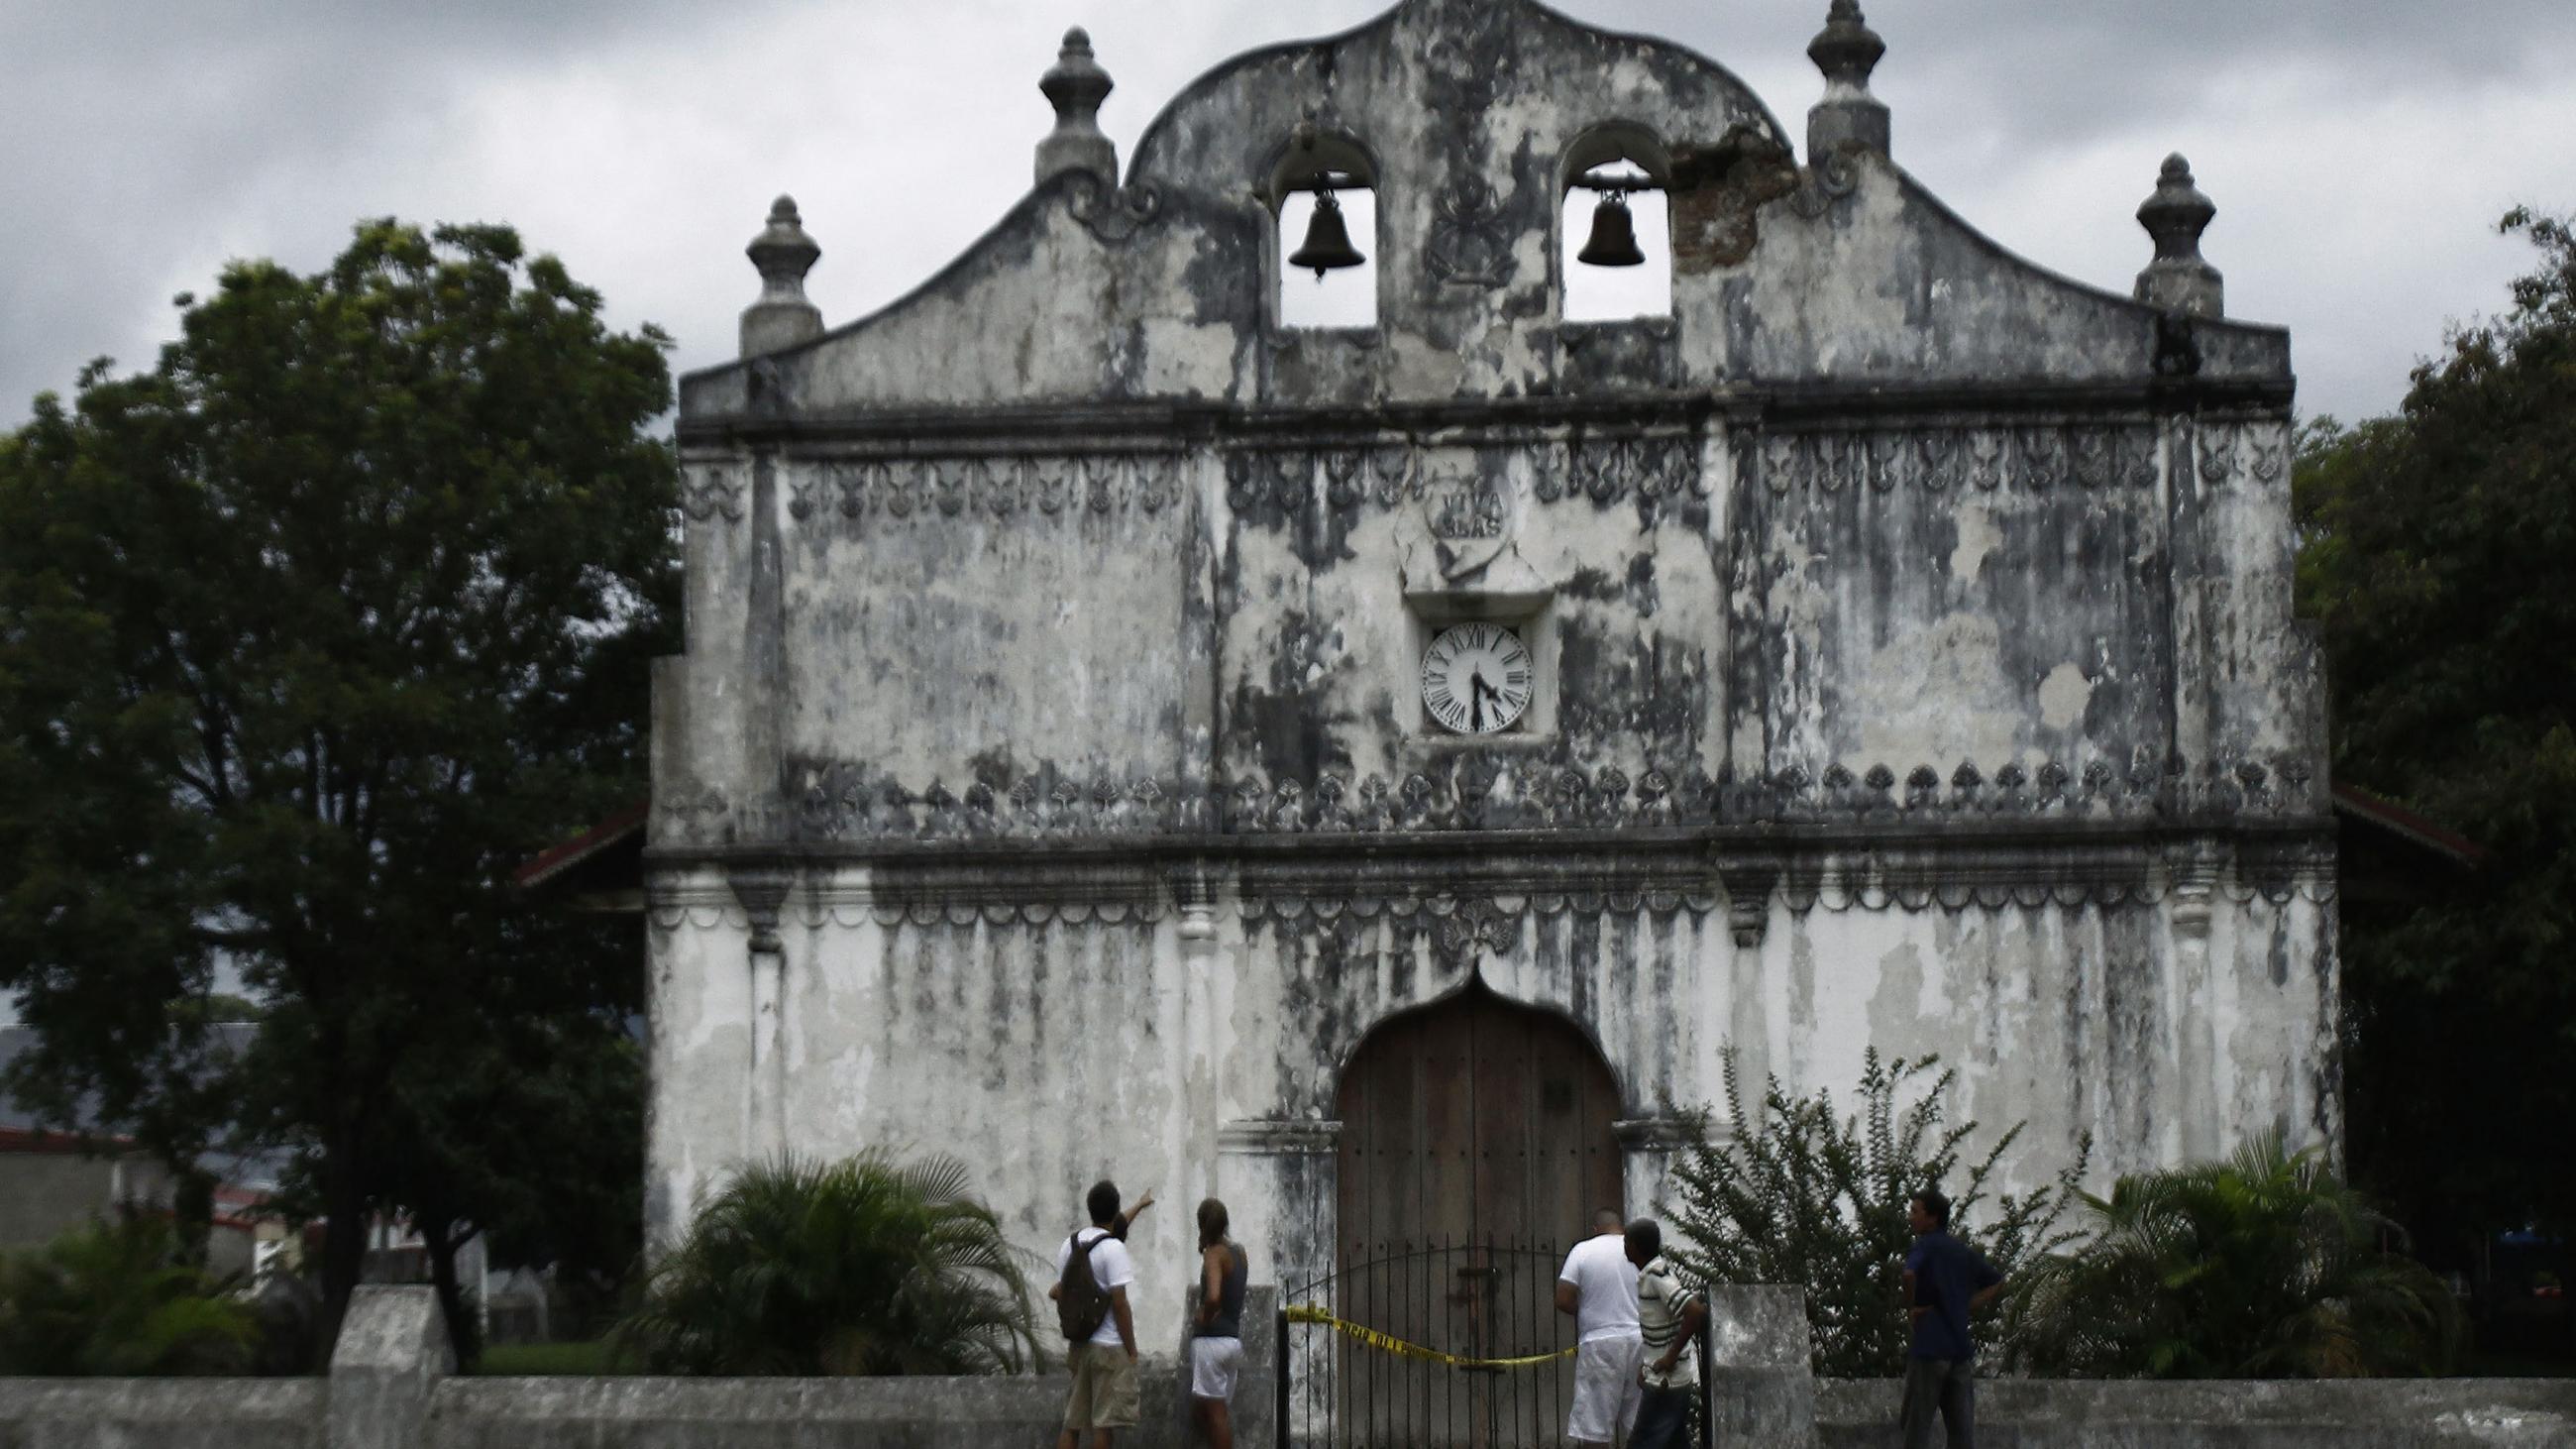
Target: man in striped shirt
(1670, 1313)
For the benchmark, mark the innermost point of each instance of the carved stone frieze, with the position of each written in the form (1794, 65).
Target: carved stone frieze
(2030, 457)
(712, 493)
(1612, 467)
(1265, 482)
(998, 487)
(2221, 452)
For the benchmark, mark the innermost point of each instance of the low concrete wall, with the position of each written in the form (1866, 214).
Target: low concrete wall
(392, 1387)
(608, 1413)
(162, 1413)
(389, 1389)
(916, 1413)
(2132, 1414)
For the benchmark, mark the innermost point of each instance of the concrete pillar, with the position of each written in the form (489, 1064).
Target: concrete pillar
(763, 893)
(1761, 1379)
(392, 1353)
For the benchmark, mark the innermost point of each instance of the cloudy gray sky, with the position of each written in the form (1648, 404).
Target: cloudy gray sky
(2359, 150)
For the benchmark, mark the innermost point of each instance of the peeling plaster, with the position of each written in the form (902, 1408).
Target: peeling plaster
(1057, 631)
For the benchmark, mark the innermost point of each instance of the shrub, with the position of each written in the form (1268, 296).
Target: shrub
(1805, 1196)
(118, 1299)
(2266, 1265)
(863, 1267)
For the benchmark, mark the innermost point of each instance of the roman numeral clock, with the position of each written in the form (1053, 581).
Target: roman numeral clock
(1476, 679)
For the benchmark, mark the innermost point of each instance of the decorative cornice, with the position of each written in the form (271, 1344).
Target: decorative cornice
(1483, 790)
(1113, 425)
(1484, 903)
(1270, 480)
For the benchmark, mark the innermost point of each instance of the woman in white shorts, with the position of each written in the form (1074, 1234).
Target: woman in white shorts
(1216, 1341)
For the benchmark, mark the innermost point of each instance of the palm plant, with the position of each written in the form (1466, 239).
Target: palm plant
(865, 1266)
(118, 1299)
(2266, 1265)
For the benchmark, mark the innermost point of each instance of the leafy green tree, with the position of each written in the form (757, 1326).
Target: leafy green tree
(527, 1132)
(118, 1299)
(308, 636)
(865, 1267)
(1806, 1195)
(2264, 1266)
(2439, 555)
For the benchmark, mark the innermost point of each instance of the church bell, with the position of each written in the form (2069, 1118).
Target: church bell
(1328, 243)
(1614, 236)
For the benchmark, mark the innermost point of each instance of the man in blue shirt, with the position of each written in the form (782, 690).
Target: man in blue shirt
(1944, 1281)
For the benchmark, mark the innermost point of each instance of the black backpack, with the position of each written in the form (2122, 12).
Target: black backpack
(1081, 1304)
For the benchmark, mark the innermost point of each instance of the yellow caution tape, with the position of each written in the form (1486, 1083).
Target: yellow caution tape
(1389, 1343)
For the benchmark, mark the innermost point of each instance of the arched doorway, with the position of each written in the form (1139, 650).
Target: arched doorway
(1472, 1119)
(1477, 1142)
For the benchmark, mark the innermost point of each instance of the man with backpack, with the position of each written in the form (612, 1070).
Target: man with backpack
(1092, 1272)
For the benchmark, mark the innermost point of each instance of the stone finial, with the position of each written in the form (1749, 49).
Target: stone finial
(1846, 50)
(1076, 85)
(784, 254)
(2178, 280)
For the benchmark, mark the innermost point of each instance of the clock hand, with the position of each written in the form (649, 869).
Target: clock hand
(1476, 703)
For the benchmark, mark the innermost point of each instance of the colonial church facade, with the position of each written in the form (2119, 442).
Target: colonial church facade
(1377, 774)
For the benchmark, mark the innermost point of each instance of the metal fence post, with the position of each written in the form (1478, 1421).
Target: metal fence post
(1280, 1433)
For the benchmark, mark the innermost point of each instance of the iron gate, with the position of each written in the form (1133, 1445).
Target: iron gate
(1417, 1367)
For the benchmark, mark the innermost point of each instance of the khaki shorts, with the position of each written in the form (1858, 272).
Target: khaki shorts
(1104, 1388)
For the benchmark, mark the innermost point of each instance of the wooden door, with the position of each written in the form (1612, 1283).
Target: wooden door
(1477, 1142)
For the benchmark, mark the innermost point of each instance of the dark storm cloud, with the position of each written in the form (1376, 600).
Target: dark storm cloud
(136, 133)
(2357, 151)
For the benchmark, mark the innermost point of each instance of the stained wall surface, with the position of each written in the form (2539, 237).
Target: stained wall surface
(1048, 779)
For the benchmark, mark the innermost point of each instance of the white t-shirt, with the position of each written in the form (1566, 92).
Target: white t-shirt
(1605, 1287)
(1112, 1268)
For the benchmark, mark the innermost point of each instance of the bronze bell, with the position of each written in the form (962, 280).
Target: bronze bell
(1614, 236)
(1328, 243)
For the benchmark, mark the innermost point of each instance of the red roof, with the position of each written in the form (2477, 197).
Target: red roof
(617, 829)
(60, 1144)
(2400, 821)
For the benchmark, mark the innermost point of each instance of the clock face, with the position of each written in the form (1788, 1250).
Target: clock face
(1476, 678)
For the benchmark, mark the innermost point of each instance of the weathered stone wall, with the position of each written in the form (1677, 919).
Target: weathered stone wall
(1048, 781)
(1054, 1041)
